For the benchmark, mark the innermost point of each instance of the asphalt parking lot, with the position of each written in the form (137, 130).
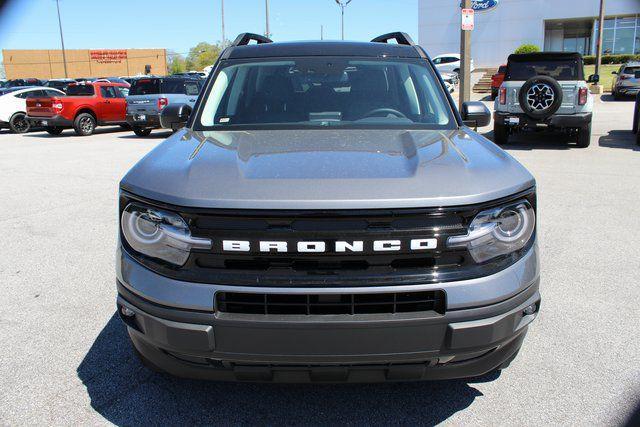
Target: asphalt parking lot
(65, 358)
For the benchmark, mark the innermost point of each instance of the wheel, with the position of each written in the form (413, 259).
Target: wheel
(141, 131)
(18, 123)
(500, 134)
(616, 95)
(84, 124)
(54, 130)
(125, 126)
(584, 136)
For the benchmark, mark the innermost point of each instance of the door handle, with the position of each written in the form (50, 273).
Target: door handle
(192, 100)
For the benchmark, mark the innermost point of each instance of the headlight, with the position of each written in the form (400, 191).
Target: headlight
(159, 234)
(497, 231)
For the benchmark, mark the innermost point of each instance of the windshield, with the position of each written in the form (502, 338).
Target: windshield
(562, 69)
(326, 91)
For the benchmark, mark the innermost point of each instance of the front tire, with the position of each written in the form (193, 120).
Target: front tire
(141, 132)
(54, 130)
(584, 136)
(18, 123)
(500, 134)
(84, 124)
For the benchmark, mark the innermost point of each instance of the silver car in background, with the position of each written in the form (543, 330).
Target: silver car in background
(627, 81)
(148, 96)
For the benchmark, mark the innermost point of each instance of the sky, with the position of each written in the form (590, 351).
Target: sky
(178, 25)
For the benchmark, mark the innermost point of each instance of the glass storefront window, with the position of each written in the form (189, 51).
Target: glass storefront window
(621, 35)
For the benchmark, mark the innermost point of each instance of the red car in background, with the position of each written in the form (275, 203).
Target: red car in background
(85, 106)
(496, 81)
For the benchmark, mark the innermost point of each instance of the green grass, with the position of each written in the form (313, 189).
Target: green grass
(606, 78)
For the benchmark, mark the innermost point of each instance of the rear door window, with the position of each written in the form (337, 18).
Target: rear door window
(108, 92)
(631, 70)
(562, 69)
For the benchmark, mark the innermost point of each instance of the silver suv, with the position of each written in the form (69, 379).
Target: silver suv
(627, 82)
(544, 92)
(326, 214)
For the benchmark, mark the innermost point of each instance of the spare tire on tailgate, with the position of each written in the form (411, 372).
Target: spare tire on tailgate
(540, 97)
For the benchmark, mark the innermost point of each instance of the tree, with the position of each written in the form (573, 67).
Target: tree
(527, 48)
(175, 63)
(201, 55)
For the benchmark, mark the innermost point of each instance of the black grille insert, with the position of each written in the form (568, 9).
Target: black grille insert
(324, 304)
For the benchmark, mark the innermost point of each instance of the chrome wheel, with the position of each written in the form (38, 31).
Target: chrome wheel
(86, 124)
(540, 96)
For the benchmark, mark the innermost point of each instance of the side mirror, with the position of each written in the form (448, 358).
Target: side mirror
(175, 116)
(614, 72)
(593, 78)
(475, 114)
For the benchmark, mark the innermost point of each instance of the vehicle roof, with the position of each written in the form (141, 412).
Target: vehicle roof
(98, 84)
(28, 88)
(541, 56)
(457, 55)
(632, 64)
(321, 48)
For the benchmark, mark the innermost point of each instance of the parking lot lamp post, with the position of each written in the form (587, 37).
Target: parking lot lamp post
(342, 4)
(64, 56)
(599, 46)
(267, 33)
(224, 41)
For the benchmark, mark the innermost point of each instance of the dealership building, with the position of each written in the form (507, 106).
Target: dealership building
(553, 25)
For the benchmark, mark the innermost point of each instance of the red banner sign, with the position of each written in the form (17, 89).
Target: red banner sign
(108, 56)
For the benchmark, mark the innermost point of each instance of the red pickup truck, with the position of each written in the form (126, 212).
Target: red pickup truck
(496, 81)
(85, 106)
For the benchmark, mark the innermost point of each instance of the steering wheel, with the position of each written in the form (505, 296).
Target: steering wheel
(380, 111)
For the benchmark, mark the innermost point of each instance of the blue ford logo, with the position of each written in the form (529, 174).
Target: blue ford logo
(483, 5)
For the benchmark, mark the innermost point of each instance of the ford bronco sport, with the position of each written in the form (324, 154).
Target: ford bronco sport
(544, 92)
(326, 214)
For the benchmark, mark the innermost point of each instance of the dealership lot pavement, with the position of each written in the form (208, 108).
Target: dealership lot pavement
(65, 358)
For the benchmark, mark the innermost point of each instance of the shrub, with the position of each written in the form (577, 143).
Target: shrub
(527, 48)
(611, 59)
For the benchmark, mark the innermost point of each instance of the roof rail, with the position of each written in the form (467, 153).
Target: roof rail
(244, 39)
(399, 37)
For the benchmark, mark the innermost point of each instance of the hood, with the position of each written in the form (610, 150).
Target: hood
(326, 169)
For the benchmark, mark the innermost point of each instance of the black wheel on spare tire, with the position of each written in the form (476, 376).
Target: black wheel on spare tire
(84, 124)
(54, 130)
(18, 123)
(141, 131)
(584, 136)
(500, 134)
(540, 97)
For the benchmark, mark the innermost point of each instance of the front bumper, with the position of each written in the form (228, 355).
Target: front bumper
(143, 120)
(556, 121)
(468, 340)
(52, 121)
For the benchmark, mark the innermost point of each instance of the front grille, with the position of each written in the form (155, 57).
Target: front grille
(325, 304)
(331, 268)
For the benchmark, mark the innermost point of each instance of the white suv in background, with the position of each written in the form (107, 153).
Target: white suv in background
(449, 63)
(13, 105)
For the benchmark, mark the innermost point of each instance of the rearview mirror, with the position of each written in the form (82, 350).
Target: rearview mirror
(175, 116)
(593, 78)
(475, 114)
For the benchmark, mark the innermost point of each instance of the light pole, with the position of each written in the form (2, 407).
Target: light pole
(64, 56)
(267, 33)
(342, 4)
(599, 38)
(224, 43)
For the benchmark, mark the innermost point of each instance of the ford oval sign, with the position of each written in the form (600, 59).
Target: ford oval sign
(483, 5)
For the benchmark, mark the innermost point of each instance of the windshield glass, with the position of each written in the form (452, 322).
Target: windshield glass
(564, 69)
(80, 90)
(326, 91)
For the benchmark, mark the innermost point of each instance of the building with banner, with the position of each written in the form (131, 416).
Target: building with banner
(48, 64)
(553, 25)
